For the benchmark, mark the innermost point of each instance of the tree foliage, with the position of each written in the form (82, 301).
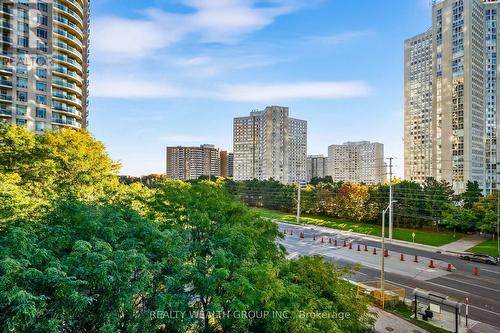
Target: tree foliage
(82, 252)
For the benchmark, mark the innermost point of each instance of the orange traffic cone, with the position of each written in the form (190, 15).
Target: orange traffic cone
(416, 259)
(431, 264)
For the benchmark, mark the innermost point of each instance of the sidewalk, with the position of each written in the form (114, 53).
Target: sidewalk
(462, 245)
(387, 322)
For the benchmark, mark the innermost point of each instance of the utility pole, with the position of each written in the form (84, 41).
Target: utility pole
(382, 260)
(498, 221)
(298, 203)
(390, 197)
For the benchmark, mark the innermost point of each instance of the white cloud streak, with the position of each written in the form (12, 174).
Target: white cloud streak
(214, 21)
(300, 90)
(138, 88)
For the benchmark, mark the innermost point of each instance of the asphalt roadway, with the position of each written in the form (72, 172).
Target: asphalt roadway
(482, 290)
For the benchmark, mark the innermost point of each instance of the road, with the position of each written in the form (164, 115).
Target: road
(483, 290)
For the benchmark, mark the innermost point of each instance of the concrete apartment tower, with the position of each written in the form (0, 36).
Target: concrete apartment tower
(226, 164)
(357, 162)
(451, 96)
(270, 144)
(316, 166)
(44, 63)
(185, 163)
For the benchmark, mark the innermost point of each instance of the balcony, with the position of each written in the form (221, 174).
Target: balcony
(68, 24)
(5, 112)
(68, 37)
(66, 109)
(71, 13)
(5, 10)
(5, 83)
(67, 85)
(68, 62)
(5, 25)
(66, 48)
(6, 40)
(5, 69)
(66, 122)
(71, 99)
(76, 5)
(5, 98)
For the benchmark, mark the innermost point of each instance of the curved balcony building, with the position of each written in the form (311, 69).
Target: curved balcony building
(44, 63)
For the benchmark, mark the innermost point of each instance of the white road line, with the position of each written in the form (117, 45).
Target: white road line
(458, 290)
(470, 284)
(487, 270)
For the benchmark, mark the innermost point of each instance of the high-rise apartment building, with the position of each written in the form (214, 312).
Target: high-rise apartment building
(44, 63)
(357, 162)
(270, 144)
(185, 163)
(226, 164)
(451, 96)
(316, 166)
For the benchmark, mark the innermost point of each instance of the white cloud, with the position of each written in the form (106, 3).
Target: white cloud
(300, 90)
(140, 88)
(129, 87)
(219, 21)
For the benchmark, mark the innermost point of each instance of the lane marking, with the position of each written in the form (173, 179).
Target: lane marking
(470, 284)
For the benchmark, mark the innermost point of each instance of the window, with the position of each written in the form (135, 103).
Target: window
(41, 86)
(22, 69)
(22, 41)
(22, 96)
(42, 19)
(40, 126)
(41, 113)
(41, 46)
(22, 82)
(22, 14)
(21, 110)
(42, 33)
(42, 6)
(21, 122)
(41, 72)
(41, 99)
(23, 27)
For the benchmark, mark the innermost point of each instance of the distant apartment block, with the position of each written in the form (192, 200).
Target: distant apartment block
(451, 96)
(316, 166)
(226, 164)
(270, 144)
(357, 162)
(185, 163)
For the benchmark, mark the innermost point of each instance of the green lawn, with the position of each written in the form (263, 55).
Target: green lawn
(488, 247)
(427, 237)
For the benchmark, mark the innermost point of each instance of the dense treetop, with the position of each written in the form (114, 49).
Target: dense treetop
(82, 252)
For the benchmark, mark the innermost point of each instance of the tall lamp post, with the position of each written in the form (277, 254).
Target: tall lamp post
(382, 260)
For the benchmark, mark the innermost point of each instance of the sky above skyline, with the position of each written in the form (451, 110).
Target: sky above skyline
(176, 72)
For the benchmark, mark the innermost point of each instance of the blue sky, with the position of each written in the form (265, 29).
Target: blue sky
(176, 72)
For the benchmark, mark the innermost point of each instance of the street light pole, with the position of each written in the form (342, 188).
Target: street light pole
(298, 203)
(382, 260)
(498, 221)
(390, 197)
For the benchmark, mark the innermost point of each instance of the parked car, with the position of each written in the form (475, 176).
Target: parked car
(478, 257)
